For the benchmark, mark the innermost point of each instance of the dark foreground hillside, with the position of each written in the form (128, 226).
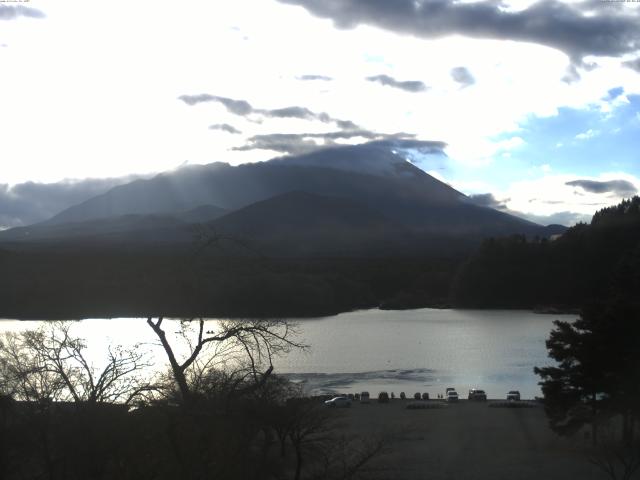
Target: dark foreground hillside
(373, 441)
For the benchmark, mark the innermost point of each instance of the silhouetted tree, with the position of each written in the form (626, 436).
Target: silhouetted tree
(597, 379)
(246, 348)
(49, 363)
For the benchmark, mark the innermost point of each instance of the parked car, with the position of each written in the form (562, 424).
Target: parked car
(364, 397)
(513, 395)
(449, 389)
(478, 395)
(338, 402)
(383, 397)
(452, 396)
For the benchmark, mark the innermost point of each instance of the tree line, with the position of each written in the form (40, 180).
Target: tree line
(520, 272)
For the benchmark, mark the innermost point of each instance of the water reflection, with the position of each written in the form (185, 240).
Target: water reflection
(413, 350)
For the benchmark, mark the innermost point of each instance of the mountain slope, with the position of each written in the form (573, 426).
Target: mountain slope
(300, 223)
(370, 174)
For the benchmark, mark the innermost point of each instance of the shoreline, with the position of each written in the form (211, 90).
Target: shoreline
(547, 310)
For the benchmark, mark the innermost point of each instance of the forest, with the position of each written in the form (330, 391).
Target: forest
(582, 264)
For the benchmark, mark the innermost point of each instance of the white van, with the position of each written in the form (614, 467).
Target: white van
(364, 397)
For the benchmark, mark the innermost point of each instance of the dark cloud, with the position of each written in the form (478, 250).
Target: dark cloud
(571, 75)
(607, 30)
(621, 188)
(346, 125)
(406, 85)
(225, 127)
(27, 203)
(298, 143)
(559, 218)
(488, 200)
(633, 64)
(295, 112)
(244, 108)
(314, 77)
(11, 12)
(462, 76)
(237, 107)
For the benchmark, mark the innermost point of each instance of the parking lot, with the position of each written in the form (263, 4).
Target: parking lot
(467, 440)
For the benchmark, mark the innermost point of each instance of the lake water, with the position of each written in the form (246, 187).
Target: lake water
(423, 350)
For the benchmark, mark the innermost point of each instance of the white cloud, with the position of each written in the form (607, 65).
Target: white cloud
(587, 135)
(107, 105)
(550, 194)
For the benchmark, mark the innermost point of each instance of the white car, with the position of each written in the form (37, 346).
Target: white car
(452, 396)
(338, 402)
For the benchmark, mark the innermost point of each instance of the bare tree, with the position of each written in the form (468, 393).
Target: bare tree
(23, 375)
(50, 363)
(242, 349)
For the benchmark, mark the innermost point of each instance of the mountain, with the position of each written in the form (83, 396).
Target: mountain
(371, 174)
(300, 223)
(359, 200)
(403, 188)
(129, 228)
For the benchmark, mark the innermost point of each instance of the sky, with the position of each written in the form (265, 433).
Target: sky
(537, 102)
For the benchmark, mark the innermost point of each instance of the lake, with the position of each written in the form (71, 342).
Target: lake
(424, 350)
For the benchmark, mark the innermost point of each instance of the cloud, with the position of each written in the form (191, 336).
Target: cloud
(30, 202)
(244, 109)
(237, 107)
(298, 143)
(565, 218)
(295, 112)
(406, 85)
(225, 127)
(314, 77)
(621, 188)
(587, 135)
(579, 28)
(488, 200)
(462, 76)
(633, 64)
(11, 12)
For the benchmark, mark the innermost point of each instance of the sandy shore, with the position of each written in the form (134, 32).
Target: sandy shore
(467, 440)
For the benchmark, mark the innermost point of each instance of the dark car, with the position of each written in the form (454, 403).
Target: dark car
(477, 395)
(383, 397)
